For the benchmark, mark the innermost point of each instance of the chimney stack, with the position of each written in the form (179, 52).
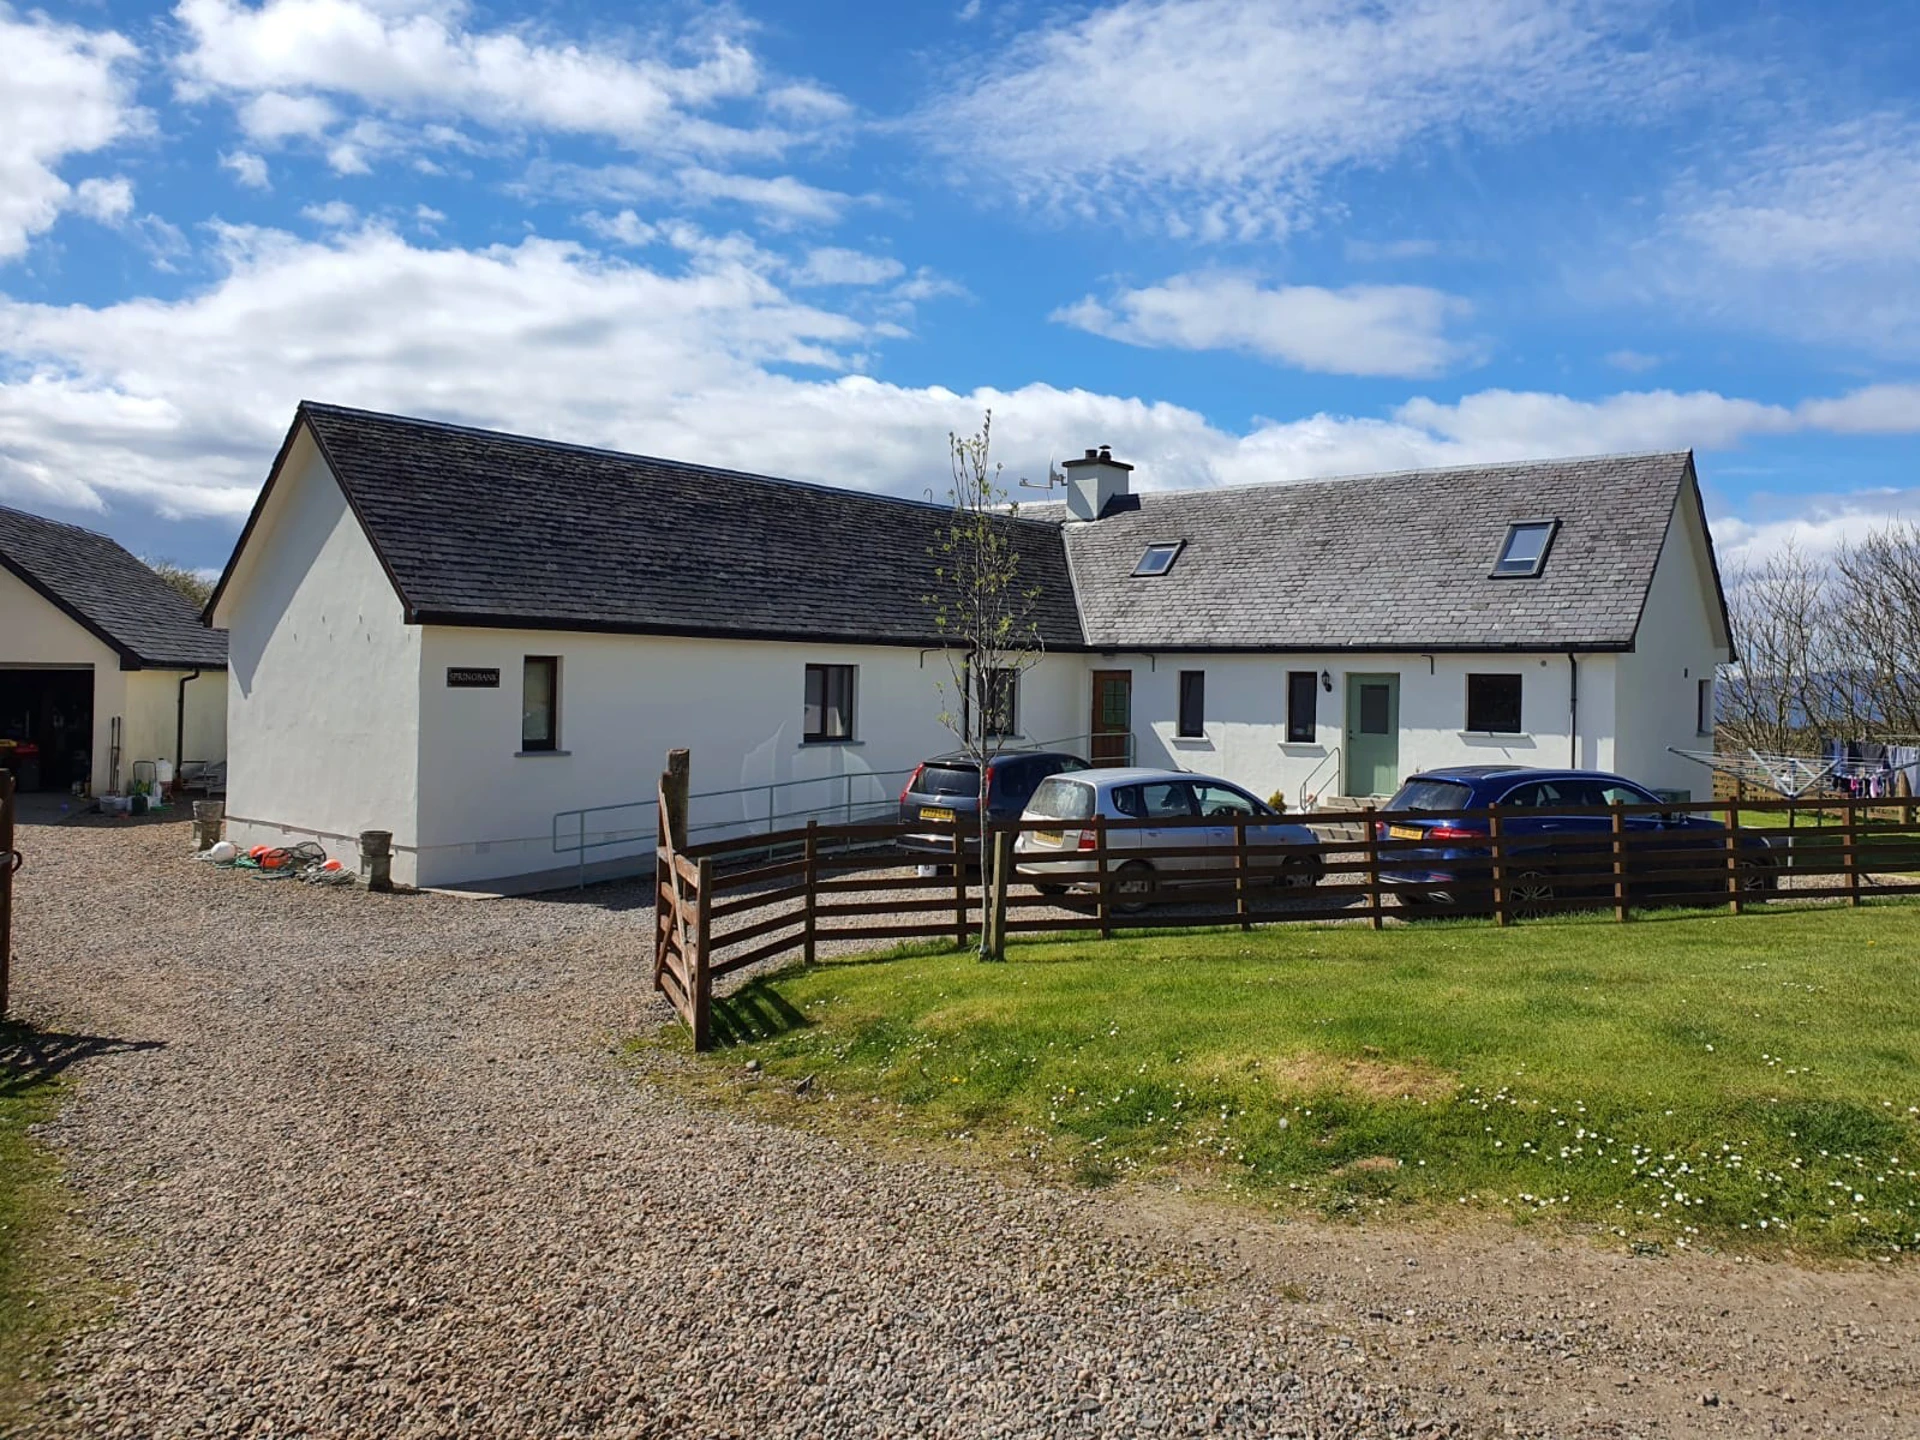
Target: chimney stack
(1094, 483)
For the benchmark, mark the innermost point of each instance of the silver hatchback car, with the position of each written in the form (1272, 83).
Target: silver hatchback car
(1137, 794)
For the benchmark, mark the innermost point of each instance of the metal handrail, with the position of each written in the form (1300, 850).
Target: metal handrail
(571, 829)
(1310, 796)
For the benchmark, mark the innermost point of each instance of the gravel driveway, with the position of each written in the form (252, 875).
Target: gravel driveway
(379, 1172)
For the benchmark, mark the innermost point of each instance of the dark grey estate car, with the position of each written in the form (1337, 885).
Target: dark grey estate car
(948, 788)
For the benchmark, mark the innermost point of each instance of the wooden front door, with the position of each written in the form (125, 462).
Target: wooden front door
(1373, 734)
(1112, 727)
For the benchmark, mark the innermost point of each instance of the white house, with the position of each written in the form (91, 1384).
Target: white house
(470, 639)
(102, 664)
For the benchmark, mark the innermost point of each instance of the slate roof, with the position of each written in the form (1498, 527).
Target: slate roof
(1385, 562)
(104, 589)
(476, 527)
(481, 528)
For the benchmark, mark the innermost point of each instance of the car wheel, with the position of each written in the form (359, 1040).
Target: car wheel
(1133, 883)
(1530, 895)
(1760, 879)
(1301, 872)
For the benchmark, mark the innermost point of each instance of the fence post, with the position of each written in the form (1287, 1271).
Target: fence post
(1733, 857)
(1103, 908)
(1502, 912)
(1374, 919)
(9, 862)
(670, 828)
(702, 997)
(1850, 850)
(1240, 876)
(811, 874)
(1002, 868)
(1619, 864)
(960, 889)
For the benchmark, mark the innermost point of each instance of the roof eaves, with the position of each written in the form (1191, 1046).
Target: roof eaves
(129, 658)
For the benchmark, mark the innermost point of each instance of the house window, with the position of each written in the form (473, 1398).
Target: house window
(1158, 558)
(1303, 706)
(1703, 708)
(1000, 700)
(540, 703)
(1525, 551)
(1493, 704)
(829, 702)
(1193, 704)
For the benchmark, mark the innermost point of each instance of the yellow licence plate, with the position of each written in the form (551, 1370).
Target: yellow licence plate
(1406, 832)
(935, 812)
(1047, 837)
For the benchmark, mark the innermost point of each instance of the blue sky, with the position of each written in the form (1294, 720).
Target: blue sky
(1238, 242)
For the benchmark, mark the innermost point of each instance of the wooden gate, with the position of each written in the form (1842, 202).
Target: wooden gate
(9, 862)
(683, 890)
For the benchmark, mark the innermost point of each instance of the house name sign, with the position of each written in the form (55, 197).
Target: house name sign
(465, 677)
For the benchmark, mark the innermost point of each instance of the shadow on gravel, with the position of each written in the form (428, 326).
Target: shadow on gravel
(30, 1057)
(754, 1012)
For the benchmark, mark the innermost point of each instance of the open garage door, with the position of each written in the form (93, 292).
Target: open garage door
(46, 727)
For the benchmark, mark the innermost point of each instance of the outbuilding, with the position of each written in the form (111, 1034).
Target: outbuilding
(485, 643)
(103, 665)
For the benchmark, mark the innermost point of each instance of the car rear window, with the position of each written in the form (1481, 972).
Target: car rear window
(1432, 795)
(1059, 799)
(948, 780)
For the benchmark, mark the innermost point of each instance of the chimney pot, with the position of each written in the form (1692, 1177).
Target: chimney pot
(1093, 454)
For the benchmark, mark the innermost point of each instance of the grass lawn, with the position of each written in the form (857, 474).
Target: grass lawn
(1748, 1081)
(42, 1293)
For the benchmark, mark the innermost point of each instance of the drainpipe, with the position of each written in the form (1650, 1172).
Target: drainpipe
(1573, 711)
(180, 723)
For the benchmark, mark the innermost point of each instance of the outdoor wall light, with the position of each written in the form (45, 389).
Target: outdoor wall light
(1326, 681)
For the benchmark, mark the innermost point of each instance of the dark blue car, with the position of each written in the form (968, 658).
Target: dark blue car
(1554, 856)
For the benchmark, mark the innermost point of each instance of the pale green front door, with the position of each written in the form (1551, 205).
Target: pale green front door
(1373, 734)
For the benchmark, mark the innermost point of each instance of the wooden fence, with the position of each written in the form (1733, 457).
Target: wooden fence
(726, 905)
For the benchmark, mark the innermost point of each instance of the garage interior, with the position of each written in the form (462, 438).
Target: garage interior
(46, 727)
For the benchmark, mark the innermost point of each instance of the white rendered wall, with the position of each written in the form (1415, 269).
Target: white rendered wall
(152, 711)
(488, 812)
(323, 723)
(1246, 700)
(1678, 645)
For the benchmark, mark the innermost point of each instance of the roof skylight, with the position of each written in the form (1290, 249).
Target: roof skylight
(1158, 558)
(1525, 550)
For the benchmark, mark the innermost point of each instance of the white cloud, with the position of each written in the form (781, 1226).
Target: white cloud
(830, 265)
(274, 117)
(1876, 410)
(417, 59)
(625, 228)
(780, 202)
(66, 91)
(108, 201)
(248, 168)
(1218, 119)
(1359, 330)
(1811, 234)
(1817, 526)
(177, 405)
(334, 214)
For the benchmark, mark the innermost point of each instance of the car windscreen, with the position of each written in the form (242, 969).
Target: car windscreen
(1432, 795)
(948, 780)
(1059, 799)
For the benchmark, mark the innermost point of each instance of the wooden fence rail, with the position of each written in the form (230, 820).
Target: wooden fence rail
(9, 862)
(728, 904)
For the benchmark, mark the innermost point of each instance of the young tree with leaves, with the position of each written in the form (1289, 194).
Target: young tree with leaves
(985, 614)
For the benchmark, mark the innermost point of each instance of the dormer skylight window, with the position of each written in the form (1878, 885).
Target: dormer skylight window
(1158, 558)
(1525, 551)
